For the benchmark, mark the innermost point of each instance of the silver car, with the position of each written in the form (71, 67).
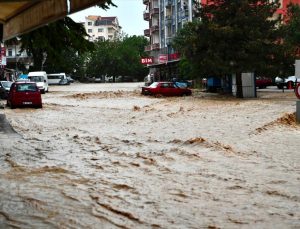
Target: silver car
(4, 89)
(290, 80)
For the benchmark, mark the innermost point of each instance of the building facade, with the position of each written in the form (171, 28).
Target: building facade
(166, 18)
(102, 28)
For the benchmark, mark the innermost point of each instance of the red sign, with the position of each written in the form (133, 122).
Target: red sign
(174, 56)
(162, 58)
(147, 60)
(297, 91)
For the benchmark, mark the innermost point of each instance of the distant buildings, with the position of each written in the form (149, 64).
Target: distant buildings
(102, 28)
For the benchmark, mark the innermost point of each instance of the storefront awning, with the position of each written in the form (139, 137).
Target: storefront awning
(21, 16)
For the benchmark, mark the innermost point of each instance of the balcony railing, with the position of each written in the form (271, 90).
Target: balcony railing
(155, 46)
(147, 32)
(146, 2)
(146, 16)
(148, 48)
(169, 40)
(168, 20)
(154, 28)
(168, 3)
(154, 10)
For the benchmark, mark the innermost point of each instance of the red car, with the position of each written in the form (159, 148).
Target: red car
(24, 93)
(165, 89)
(263, 82)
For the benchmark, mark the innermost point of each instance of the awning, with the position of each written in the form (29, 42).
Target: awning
(21, 16)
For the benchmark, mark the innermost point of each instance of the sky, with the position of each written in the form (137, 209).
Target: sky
(129, 13)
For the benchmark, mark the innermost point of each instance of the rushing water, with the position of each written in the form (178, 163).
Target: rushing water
(103, 156)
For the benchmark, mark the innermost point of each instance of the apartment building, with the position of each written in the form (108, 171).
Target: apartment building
(102, 28)
(166, 18)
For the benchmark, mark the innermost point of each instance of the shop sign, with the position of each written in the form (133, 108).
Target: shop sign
(174, 56)
(163, 58)
(147, 60)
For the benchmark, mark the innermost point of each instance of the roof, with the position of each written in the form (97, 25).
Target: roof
(21, 16)
(95, 18)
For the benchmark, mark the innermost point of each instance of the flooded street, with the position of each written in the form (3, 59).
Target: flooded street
(104, 156)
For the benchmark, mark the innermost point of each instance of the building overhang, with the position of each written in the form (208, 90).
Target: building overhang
(21, 16)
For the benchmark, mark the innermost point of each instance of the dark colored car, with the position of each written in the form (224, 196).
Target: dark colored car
(64, 82)
(182, 83)
(263, 82)
(165, 89)
(4, 89)
(70, 79)
(23, 94)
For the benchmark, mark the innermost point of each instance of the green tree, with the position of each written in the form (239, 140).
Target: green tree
(62, 43)
(58, 42)
(233, 36)
(118, 58)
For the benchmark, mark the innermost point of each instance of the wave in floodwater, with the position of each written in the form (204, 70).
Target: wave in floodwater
(120, 160)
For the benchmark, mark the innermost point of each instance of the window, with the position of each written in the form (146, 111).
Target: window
(9, 52)
(90, 30)
(100, 30)
(26, 87)
(90, 23)
(101, 38)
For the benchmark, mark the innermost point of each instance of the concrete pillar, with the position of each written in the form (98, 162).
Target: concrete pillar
(298, 112)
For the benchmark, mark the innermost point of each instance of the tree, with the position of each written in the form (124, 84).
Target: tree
(118, 58)
(233, 36)
(55, 40)
(290, 31)
(62, 43)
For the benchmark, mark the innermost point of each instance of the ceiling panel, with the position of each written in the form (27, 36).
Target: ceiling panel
(21, 16)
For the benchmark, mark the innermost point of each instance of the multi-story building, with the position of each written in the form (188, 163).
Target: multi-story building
(166, 18)
(14, 61)
(102, 28)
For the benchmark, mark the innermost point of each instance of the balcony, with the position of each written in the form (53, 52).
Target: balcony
(169, 40)
(147, 32)
(168, 3)
(155, 46)
(154, 28)
(154, 11)
(146, 2)
(168, 20)
(146, 16)
(148, 48)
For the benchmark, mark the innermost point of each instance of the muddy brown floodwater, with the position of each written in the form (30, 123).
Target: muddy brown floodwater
(104, 156)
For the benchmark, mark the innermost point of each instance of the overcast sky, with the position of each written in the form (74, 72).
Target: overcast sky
(129, 13)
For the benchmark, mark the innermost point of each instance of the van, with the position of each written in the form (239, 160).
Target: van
(41, 80)
(58, 78)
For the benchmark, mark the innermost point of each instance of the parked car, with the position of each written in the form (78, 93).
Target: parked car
(165, 89)
(64, 82)
(70, 79)
(41, 80)
(263, 82)
(4, 89)
(291, 80)
(24, 93)
(182, 82)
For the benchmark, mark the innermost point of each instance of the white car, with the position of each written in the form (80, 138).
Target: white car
(289, 80)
